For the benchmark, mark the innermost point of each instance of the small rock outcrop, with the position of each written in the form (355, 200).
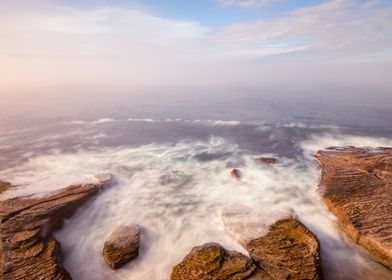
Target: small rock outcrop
(235, 173)
(288, 251)
(266, 160)
(279, 244)
(121, 246)
(4, 186)
(356, 185)
(212, 261)
(27, 248)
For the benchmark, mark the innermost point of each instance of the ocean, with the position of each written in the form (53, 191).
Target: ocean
(171, 155)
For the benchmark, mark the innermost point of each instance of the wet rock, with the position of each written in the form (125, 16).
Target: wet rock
(266, 160)
(27, 248)
(122, 246)
(280, 245)
(288, 251)
(235, 173)
(356, 185)
(4, 186)
(212, 261)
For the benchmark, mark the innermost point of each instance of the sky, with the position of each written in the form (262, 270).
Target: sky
(215, 44)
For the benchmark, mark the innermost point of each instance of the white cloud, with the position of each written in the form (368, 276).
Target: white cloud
(334, 43)
(333, 30)
(248, 4)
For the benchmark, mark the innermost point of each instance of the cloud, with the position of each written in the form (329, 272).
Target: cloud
(248, 4)
(334, 30)
(343, 43)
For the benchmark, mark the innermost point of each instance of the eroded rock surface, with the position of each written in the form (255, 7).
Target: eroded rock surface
(121, 246)
(288, 251)
(212, 261)
(27, 248)
(356, 185)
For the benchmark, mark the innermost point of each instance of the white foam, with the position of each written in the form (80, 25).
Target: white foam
(143, 120)
(178, 200)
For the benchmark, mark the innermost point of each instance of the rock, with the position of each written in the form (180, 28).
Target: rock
(121, 246)
(288, 251)
(27, 248)
(356, 185)
(4, 186)
(266, 160)
(235, 173)
(212, 261)
(284, 249)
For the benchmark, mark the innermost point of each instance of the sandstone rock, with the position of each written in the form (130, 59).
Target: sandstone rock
(284, 249)
(4, 186)
(288, 251)
(266, 160)
(212, 261)
(121, 246)
(235, 173)
(356, 185)
(27, 248)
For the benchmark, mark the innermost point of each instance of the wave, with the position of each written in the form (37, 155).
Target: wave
(179, 199)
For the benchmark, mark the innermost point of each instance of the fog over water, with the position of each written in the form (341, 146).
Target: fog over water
(171, 155)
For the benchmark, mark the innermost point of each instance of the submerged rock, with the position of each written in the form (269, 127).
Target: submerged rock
(212, 261)
(27, 248)
(266, 160)
(356, 185)
(122, 246)
(4, 186)
(104, 178)
(235, 173)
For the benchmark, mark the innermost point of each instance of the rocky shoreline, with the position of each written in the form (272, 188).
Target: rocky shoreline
(355, 184)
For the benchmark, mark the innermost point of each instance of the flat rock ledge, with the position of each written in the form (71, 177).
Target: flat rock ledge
(27, 248)
(288, 251)
(356, 185)
(121, 246)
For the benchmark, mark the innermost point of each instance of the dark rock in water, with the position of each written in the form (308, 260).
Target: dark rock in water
(4, 186)
(235, 173)
(288, 251)
(121, 246)
(266, 160)
(27, 248)
(356, 185)
(212, 261)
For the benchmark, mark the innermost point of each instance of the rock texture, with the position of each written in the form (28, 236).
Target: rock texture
(356, 185)
(4, 186)
(288, 251)
(27, 248)
(279, 244)
(121, 246)
(285, 249)
(212, 261)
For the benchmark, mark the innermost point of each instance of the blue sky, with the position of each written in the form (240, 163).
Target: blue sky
(188, 43)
